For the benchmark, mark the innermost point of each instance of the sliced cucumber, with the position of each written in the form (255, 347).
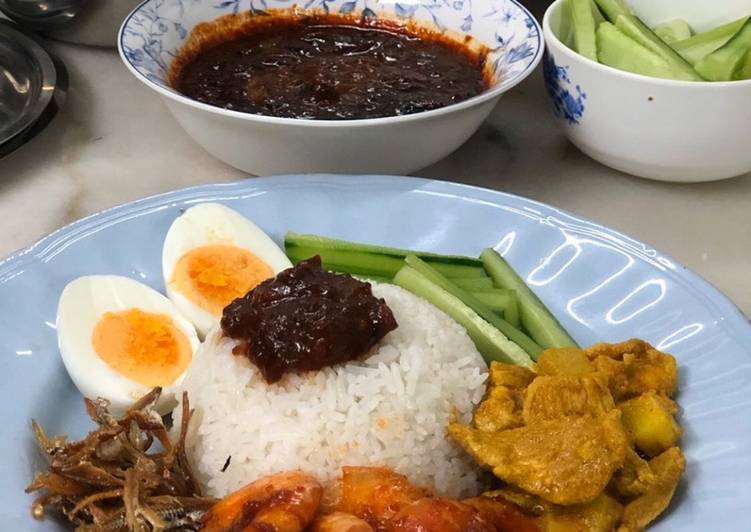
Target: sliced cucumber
(318, 242)
(374, 264)
(566, 28)
(675, 30)
(618, 50)
(746, 70)
(503, 302)
(584, 27)
(472, 283)
(535, 317)
(490, 342)
(367, 264)
(612, 8)
(515, 335)
(640, 32)
(702, 44)
(730, 62)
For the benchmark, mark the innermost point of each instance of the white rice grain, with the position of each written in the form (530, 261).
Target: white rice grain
(391, 408)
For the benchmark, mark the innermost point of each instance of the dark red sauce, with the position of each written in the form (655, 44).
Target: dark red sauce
(306, 319)
(328, 67)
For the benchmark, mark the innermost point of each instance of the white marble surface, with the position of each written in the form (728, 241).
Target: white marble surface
(115, 141)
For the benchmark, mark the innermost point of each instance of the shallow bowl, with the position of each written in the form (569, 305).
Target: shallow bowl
(155, 31)
(649, 127)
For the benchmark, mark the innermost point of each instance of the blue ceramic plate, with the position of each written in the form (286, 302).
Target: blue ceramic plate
(602, 285)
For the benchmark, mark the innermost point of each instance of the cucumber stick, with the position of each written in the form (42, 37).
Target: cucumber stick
(612, 8)
(490, 342)
(318, 242)
(640, 32)
(584, 25)
(501, 301)
(618, 50)
(535, 317)
(566, 28)
(512, 333)
(367, 264)
(472, 283)
(373, 264)
(702, 44)
(673, 31)
(731, 61)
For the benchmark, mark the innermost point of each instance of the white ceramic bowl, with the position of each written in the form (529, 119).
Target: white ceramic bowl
(649, 127)
(155, 31)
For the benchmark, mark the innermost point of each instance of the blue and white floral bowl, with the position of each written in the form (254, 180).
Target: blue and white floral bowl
(660, 129)
(154, 32)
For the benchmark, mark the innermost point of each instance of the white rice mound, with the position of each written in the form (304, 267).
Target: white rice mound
(390, 408)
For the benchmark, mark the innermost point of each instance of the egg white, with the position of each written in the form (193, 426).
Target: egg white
(208, 224)
(82, 303)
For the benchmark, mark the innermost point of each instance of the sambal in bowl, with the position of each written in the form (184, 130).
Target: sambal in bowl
(330, 86)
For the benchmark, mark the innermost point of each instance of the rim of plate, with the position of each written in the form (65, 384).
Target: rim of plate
(552, 40)
(494, 92)
(47, 247)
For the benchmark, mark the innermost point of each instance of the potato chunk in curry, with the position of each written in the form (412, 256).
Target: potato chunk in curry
(574, 441)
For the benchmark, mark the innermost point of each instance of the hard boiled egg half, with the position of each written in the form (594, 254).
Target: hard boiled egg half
(119, 339)
(213, 255)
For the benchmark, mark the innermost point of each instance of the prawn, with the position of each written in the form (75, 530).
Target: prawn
(340, 522)
(283, 502)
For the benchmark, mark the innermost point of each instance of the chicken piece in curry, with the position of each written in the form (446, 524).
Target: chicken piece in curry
(589, 443)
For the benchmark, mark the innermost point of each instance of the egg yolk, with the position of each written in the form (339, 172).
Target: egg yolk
(213, 276)
(144, 347)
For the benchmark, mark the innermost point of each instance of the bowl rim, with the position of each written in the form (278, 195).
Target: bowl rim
(552, 41)
(11, 32)
(492, 93)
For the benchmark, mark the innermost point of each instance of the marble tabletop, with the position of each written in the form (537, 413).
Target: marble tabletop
(115, 141)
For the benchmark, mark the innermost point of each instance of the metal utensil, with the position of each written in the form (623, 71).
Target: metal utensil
(42, 14)
(27, 81)
(57, 101)
(93, 22)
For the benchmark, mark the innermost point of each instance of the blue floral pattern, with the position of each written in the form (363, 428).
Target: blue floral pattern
(155, 31)
(567, 103)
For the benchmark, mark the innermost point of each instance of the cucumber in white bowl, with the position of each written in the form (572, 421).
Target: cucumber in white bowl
(650, 110)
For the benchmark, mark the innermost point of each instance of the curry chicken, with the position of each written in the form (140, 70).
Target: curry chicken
(589, 442)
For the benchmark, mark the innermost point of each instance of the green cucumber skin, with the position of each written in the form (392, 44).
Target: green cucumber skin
(538, 321)
(515, 335)
(472, 283)
(373, 264)
(731, 61)
(640, 33)
(612, 8)
(702, 44)
(502, 301)
(292, 239)
(490, 342)
(349, 262)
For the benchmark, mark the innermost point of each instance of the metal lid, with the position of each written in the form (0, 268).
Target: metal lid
(27, 81)
(41, 14)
